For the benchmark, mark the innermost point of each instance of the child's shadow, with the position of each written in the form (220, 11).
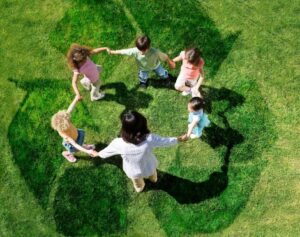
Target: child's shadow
(130, 99)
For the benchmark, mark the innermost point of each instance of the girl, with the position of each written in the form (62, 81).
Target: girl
(80, 63)
(198, 120)
(72, 137)
(135, 147)
(191, 74)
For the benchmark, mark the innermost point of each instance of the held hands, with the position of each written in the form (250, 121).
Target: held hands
(93, 153)
(183, 138)
(78, 98)
(172, 64)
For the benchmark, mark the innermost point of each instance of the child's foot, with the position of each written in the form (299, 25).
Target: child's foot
(143, 85)
(185, 93)
(69, 156)
(89, 146)
(86, 84)
(100, 96)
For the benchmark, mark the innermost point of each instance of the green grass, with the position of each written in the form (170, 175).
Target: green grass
(216, 185)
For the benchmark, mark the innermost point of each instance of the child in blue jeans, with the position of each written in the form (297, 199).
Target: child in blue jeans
(147, 58)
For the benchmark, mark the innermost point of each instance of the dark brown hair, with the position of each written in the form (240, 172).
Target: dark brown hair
(193, 56)
(134, 127)
(197, 103)
(143, 43)
(77, 54)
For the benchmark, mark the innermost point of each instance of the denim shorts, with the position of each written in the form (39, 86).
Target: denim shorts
(80, 139)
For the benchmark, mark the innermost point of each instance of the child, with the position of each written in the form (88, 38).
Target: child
(198, 120)
(147, 58)
(191, 74)
(135, 147)
(80, 63)
(72, 137)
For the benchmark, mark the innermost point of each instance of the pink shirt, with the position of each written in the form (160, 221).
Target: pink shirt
(90, 70)
(188, 70)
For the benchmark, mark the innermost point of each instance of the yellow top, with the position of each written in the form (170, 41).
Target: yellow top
(71, 132)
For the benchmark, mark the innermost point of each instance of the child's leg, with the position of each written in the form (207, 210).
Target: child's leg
(95, 93)
(86, 83)
(143, 77)
(161, 72)
(138, 184)
(180, 84)
(153, 177)
(69, 156)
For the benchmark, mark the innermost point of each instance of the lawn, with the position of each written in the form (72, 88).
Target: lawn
(241, 178)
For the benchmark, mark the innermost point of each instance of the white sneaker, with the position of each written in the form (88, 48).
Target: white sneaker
(185, 93)
(86, 83)
(100, 96)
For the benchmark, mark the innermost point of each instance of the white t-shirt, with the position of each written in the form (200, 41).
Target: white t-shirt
(138, 160)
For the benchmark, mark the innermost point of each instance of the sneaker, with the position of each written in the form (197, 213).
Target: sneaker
(89, 146)
(143, 85)
(185, 93)
(100, 96)
(85, 83)
(69, 156)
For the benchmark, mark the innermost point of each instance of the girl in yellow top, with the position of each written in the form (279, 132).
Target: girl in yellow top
(72, 137)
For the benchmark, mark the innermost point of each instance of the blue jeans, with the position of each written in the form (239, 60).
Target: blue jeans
(160, 71)
(80, 139)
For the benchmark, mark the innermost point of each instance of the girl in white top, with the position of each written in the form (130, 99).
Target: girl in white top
(135, 147)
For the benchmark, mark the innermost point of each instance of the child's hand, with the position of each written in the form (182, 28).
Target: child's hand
(183, 138)
(78, 98)
(93, 153)
(108, 50)
(172, 64)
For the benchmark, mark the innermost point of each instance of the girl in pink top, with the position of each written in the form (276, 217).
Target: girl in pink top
(191, 74)
(81, 64)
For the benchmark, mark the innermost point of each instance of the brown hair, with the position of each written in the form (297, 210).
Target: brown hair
(143, 42)
(197, 103)
(193, 56)
(77, 54)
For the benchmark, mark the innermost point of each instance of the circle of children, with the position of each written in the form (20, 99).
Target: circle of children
(136, 142)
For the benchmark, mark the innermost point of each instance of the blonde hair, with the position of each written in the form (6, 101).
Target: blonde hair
(60, 121)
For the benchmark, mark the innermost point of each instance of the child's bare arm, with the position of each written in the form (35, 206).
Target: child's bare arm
(72, 105)
(177, 59)
(114, 51)
(98, 50)
(191, 126)
(78, 147)
(74, 84)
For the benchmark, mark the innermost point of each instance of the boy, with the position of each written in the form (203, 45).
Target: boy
(148, 59)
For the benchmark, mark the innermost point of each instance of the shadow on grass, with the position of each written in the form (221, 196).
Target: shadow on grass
(88, 203)
(131, 99)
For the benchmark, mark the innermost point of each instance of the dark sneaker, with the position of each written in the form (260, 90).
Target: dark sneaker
(143, 85)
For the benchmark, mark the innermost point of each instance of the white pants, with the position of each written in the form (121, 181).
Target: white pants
(181, 81)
